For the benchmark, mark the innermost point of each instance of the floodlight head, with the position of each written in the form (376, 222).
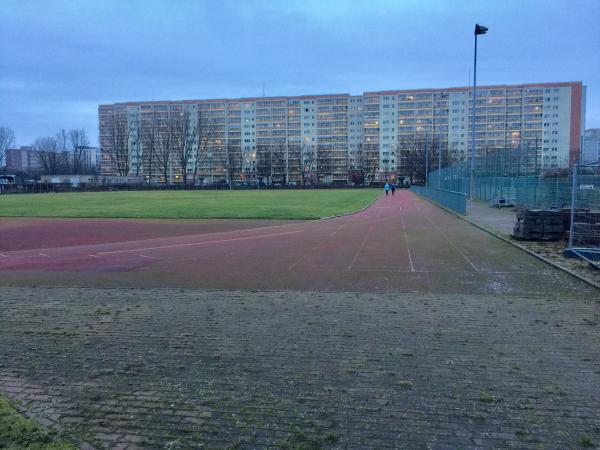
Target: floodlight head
(480, 29)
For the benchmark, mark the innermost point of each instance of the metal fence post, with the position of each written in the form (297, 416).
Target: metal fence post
(573, 188)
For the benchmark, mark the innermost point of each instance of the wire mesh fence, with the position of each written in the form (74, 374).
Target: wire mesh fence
(584, 232)
(564, 201)
(544, 190)
(456, 201)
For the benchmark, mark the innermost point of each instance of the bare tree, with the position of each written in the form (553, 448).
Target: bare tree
(366, 163)
(305, 159)
(165, 149)
(295, 163)
(264, 162)
(184, 140)
(413, 152)
(62, 141)
(233, 162)
(7, 140)
(150, 146)
(206, 134)
(119, 144)
(279, 162)
(78, 142)
(135, 136)
(324, 163)
(49, 155)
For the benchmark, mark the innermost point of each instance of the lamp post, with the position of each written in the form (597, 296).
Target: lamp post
(479, 29)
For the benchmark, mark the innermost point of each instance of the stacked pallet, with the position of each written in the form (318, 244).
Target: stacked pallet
(539, 224)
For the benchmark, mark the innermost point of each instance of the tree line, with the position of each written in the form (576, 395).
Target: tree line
(64, 153)
(193, 147)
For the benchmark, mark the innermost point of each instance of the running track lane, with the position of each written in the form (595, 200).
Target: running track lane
(400, 244)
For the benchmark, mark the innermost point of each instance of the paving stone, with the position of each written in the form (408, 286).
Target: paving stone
(274, 369)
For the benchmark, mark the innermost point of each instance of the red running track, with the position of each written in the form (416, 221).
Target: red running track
(399, 244)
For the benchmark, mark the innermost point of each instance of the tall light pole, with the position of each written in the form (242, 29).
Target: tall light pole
(479, 29)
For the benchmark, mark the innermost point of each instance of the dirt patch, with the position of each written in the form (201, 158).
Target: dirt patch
(554, 251)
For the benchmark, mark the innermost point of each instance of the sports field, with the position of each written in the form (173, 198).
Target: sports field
(401, 326)
(255, 204)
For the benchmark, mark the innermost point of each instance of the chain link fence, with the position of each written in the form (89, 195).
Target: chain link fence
(584, 230)
(570, 196)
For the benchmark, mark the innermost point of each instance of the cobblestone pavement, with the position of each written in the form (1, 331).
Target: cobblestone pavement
(170, 368)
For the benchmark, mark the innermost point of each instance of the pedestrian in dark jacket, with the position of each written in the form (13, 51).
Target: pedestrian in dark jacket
(393, 188)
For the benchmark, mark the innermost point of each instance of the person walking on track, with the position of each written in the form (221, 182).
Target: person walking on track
(393, 188)
(386, 188)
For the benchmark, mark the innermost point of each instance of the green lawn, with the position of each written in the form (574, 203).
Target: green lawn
(17, 432)
(272, 204)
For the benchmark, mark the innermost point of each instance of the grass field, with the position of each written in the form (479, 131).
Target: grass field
(293, 204)
(17, 432)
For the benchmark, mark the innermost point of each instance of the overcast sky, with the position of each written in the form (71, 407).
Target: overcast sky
(60, 59)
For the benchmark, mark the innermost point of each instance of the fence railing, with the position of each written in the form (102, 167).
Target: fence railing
(548, 190)
(575, 191)
(456, 201)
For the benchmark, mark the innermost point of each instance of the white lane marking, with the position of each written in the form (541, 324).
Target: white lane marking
(336, 230)
(94, 256)
(449, 241)
(191, 244)
(360, 249)
(3, 255)
(412, 266)
(146, 256)
(314, 248)
(43, 254)
(331, 269)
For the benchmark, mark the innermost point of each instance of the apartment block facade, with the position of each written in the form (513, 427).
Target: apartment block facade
(591, 146)
(21, 159)
(323, 138)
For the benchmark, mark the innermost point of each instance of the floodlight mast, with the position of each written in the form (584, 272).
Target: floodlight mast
(479, 29)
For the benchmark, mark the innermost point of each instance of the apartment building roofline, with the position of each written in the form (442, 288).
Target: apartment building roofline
(573, 84)
(213, 100)
(468, 88)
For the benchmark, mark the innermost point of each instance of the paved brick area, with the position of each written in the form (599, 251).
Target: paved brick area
(398, 327)
(171, 368)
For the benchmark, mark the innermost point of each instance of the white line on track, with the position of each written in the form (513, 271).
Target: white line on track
(3, 255)
(191, 244)
(315, 248)
(330, 269)
(448, 240)
(43, 254)
(146, 256)
(94, 256)
(360, 249)
(336, 230)
(412, 266)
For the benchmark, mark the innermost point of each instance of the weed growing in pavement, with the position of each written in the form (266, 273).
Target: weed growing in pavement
(485, 397)
(405, 384)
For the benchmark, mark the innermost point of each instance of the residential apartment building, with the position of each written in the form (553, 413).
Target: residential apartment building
(323, 138)
(90, 157)
(21, 159)
(591, 146)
